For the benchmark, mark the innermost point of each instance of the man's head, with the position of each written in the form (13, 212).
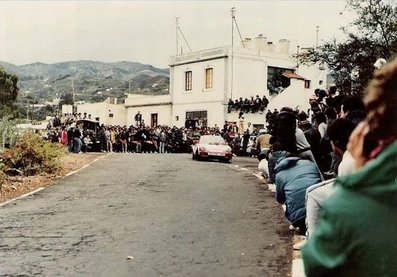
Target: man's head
(332, 90)
(339, 132)
(351, 103)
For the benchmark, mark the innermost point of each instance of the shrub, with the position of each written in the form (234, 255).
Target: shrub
(32, 155)
(2, 179)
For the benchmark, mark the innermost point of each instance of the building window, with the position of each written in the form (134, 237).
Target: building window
(110, 115)
(196, 118)
(276, 82)
(209, 78)
(307, 83)
(188, 80)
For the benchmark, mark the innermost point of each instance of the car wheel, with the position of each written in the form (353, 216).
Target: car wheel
(198, 158)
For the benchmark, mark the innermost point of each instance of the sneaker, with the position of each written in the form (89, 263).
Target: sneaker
(299, 245)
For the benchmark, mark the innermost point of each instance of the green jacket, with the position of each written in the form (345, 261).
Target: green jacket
(357, 232)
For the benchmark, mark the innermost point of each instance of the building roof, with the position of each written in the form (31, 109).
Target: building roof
(291, 75)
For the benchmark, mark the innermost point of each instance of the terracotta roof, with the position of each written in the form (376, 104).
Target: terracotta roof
(293, 75)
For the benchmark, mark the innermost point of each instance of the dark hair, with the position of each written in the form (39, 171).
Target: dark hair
(286, 109)
(330, 113)
(302, 116)
(353, 103)
(320, 118)
(339, 132)
(285, 131)
(332, 90)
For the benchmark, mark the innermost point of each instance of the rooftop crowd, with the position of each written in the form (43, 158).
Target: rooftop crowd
(334, 168)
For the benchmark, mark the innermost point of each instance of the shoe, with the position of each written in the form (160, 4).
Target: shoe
(299, 245)
(272, 187)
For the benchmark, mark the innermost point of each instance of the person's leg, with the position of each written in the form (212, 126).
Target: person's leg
(301, 225)
(316, 195)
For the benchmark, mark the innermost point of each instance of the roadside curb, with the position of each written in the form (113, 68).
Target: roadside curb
(41, 188)
(297, 263)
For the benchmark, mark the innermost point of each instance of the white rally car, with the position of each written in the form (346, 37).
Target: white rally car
(212, 147)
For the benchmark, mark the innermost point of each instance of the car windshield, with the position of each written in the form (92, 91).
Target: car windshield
(212, 140)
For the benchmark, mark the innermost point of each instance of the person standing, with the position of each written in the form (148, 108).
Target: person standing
(77, 140)
(138, 119)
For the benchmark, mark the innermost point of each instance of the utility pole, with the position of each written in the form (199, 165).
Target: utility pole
(233, 15)
(73, 97)
(317, 28)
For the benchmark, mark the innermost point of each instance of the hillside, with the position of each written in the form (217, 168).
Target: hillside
(93, 81)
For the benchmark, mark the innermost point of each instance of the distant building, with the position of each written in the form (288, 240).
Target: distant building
(202, 82)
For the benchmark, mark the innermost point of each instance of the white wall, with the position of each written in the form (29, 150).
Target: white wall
(249, 77)
(199, 93)
(314, 74)
(294, 96)
(163, 114)
(147, 105)
(103, 110)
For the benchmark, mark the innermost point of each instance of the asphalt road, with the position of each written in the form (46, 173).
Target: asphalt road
(148, 215)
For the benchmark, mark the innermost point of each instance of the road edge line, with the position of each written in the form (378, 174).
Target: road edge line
(22, 196)
(41, 188)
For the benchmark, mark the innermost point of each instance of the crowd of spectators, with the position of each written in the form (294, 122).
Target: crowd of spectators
(253, 105)
(81, 135)
(334, 169)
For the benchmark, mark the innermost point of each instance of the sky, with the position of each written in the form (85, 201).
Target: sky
(145, 31)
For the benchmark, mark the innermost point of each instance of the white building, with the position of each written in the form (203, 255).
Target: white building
(202, 82)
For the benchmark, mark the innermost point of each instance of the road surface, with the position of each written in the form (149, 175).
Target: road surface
(148, 215)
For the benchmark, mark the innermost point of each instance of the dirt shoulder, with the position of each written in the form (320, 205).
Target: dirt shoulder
(17, 186)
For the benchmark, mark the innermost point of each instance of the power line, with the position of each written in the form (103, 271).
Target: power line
(238, 29)
(178, 30)
(184, 39)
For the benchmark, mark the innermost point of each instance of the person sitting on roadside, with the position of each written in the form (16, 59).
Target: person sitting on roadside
(293, 177)
(338, 132)
(356, 233)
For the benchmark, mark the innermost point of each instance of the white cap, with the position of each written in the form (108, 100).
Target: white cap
(380, 63)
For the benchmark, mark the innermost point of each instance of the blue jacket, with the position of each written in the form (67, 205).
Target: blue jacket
(293, 177)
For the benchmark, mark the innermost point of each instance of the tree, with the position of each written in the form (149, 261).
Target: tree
(372, 35)
(67, 99)
(8, 92)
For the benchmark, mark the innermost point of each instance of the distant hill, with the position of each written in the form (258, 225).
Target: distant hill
(93, 81)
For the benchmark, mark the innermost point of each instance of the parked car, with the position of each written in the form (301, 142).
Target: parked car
(91, 128)
(212, 147)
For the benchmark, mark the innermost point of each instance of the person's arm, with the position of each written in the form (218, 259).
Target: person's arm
(280, 193)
